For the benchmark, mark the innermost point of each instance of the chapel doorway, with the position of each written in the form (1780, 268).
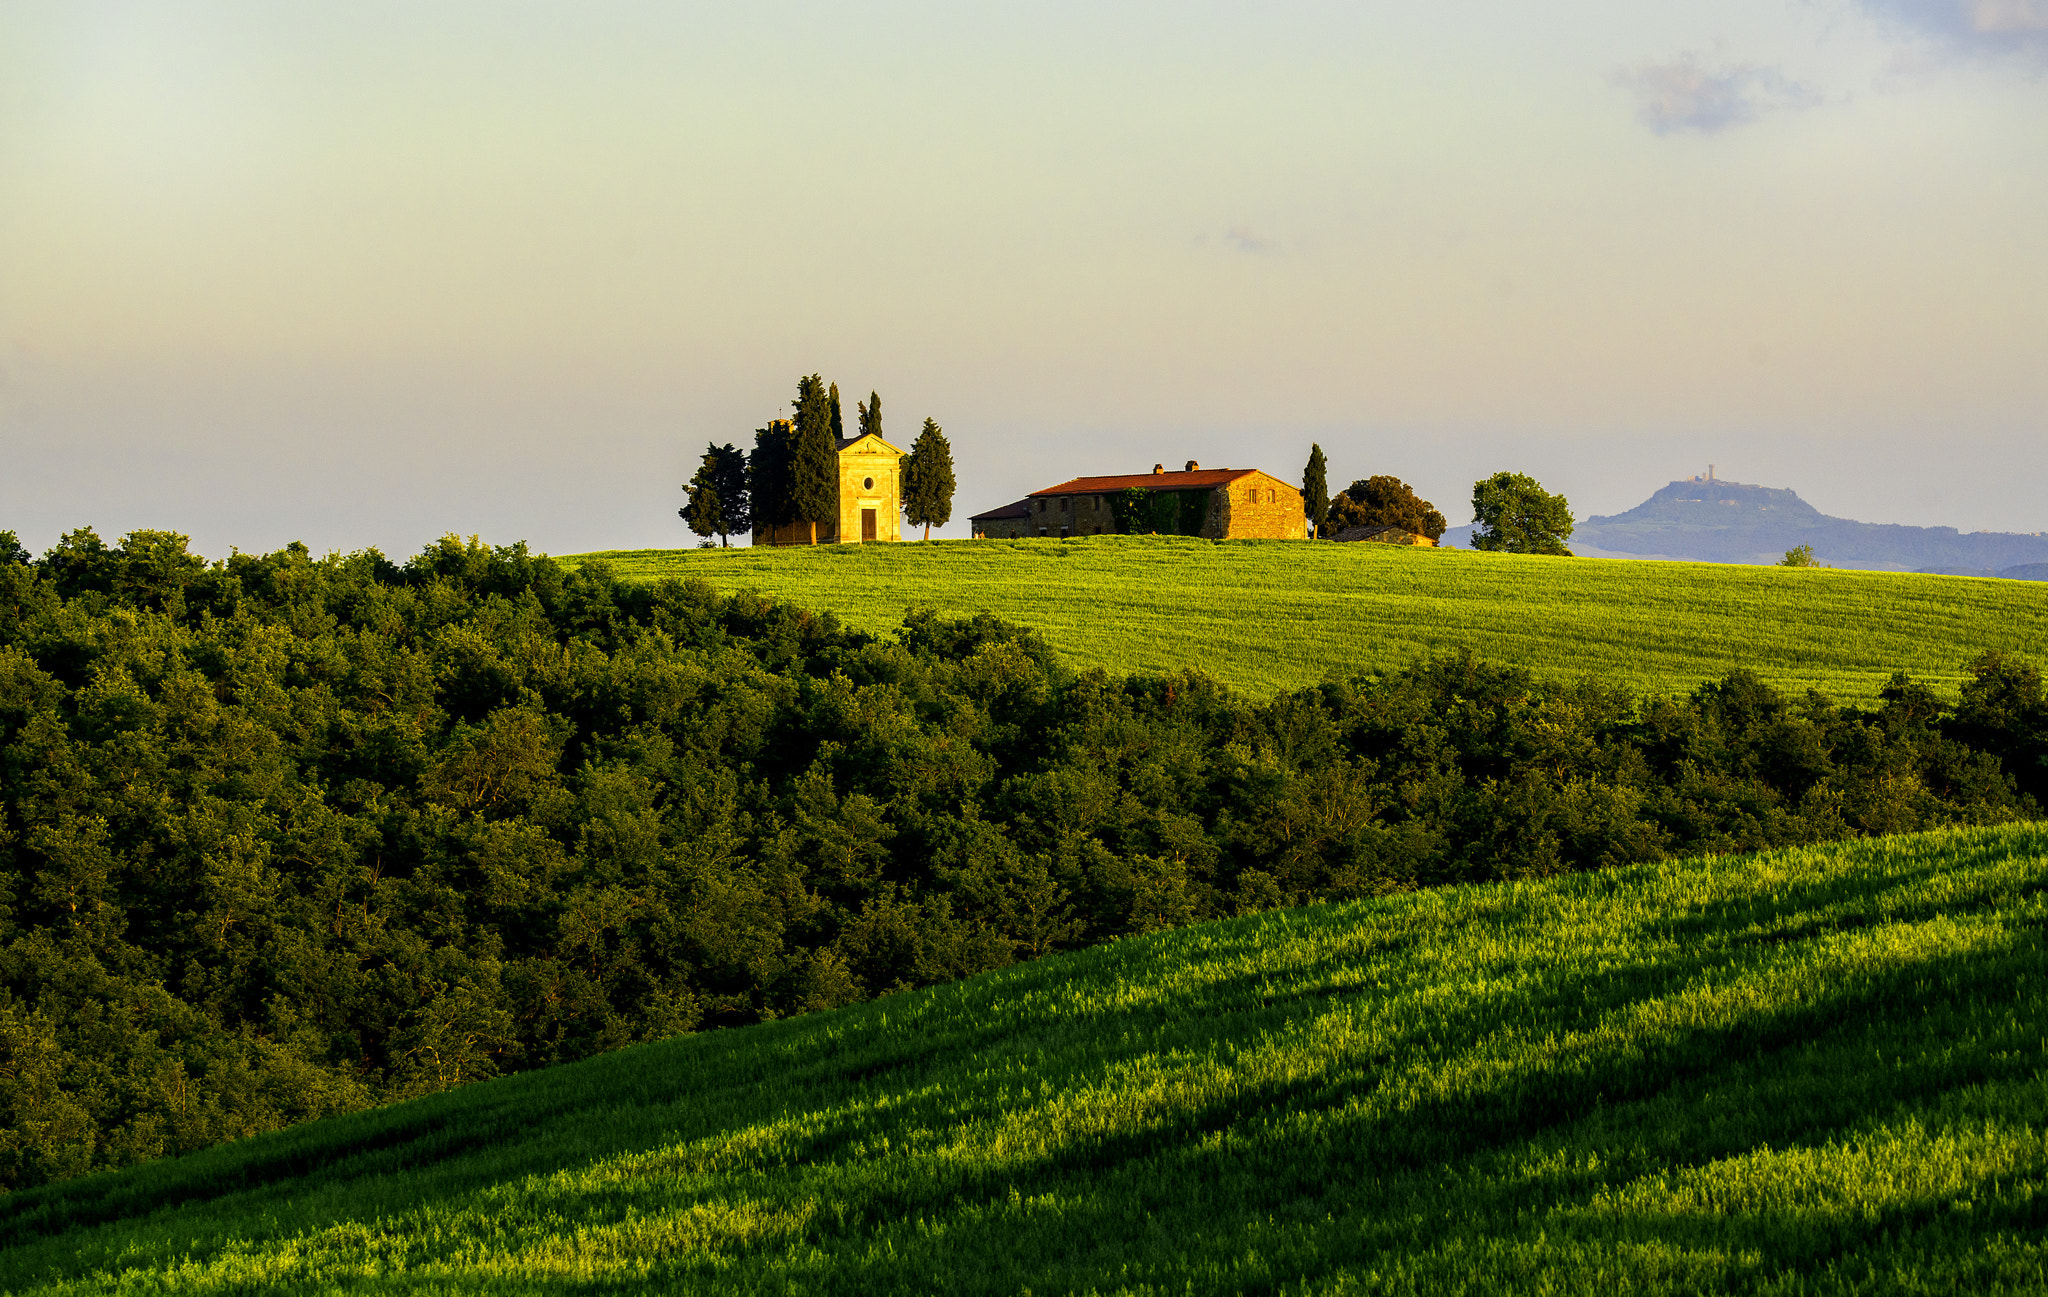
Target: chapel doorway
(867, 524)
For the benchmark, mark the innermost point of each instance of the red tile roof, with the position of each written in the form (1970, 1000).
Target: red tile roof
(1201, 477)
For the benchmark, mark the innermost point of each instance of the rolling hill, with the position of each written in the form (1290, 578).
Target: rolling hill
(1815, 1071)
(1263, 616)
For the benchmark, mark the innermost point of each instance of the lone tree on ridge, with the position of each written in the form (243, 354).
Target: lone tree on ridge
(1515, 515)
(1386, 501)
(927, 478)
(704, 512)
(1315, 490)
(733, 497)
(718, 494)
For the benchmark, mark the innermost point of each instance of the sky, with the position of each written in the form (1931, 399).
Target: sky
(366, 274)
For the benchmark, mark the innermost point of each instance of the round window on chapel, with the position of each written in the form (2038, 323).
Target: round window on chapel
(867, 484)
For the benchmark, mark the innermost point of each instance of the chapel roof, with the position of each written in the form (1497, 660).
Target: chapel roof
(881, 445)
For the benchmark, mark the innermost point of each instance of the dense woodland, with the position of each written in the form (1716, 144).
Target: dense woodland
(284, 836)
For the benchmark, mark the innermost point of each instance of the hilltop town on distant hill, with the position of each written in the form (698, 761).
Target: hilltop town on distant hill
(1709, 519)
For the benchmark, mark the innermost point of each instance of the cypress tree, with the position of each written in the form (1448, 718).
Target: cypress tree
(871, 415)
(814, 471)
(1315, 490)
(838, 423)
(927, 478)
(770, 476)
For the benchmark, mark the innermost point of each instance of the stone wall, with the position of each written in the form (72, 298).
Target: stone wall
(1060, 515)
(1233, 513)
(1258, 507)
(1006, 529)
(870, 480)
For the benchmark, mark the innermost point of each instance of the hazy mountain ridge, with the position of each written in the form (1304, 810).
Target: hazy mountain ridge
(1733, 522)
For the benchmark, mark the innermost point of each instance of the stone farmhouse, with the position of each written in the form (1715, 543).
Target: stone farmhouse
(1219, 503)
(870, 498)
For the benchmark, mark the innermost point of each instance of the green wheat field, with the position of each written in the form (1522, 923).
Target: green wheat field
(1264, 616)
(1810, 1071)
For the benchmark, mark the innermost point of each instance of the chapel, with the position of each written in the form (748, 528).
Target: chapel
(870, 498)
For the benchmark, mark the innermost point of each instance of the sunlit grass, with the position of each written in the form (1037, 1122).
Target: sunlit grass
(1818, 1071)
(1264, 616)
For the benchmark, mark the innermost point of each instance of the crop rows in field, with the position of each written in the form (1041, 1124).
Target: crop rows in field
(1819, 1070)
(1268, 616)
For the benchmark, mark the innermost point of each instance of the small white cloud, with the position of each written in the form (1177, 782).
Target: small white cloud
(1687, 94)
(2000, 27)
(1243, 239)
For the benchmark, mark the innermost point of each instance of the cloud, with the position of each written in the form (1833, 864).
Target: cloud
(1998, 27)
(1242, 238)
(1687, 94)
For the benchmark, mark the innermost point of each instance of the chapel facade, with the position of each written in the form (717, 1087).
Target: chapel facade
(870, 498)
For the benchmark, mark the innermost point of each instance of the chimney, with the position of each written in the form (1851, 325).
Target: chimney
(1159, 468)
(1193, 465)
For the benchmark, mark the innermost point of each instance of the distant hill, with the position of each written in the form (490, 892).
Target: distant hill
(1713, 521)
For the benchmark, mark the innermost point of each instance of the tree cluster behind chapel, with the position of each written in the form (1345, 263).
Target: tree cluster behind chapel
(870, 498)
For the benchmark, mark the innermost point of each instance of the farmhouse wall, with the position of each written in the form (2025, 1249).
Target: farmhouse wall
(1054, 516)
(1249, 505)
(1258, 507)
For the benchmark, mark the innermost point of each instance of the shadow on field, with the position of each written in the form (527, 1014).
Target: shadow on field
(1800, 909)
(1403, 1181)
(1387, 1153)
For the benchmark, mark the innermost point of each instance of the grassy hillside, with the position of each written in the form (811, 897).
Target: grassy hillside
(1266, 616)
(1814, 1071)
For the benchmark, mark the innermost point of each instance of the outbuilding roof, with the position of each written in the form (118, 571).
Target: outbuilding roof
(1393, 535)
(1018, 510)
(1190, 481)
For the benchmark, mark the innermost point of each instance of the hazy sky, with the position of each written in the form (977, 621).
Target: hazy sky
(364, 274)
